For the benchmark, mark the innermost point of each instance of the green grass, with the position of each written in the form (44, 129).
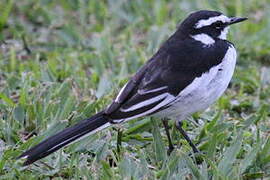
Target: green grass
(58, 57)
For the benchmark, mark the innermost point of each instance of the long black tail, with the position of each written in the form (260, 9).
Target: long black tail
(65, 137)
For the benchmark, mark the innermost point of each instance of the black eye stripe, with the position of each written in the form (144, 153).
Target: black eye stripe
(218, 23)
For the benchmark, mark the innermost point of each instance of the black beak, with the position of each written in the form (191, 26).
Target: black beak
(234, 20)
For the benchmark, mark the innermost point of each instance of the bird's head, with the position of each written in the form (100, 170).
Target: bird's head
(208, 23)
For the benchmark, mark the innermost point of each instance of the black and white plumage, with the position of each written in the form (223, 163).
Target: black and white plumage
(187, 74)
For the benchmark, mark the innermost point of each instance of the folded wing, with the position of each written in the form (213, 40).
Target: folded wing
(162, 78)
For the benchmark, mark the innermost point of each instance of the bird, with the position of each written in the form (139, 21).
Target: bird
(187, 74)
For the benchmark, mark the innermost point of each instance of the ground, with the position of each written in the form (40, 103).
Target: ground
(62, 61)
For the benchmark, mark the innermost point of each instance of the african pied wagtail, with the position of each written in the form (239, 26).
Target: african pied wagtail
(187, 74)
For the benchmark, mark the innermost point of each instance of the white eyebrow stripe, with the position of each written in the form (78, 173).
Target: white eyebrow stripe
(207, 22)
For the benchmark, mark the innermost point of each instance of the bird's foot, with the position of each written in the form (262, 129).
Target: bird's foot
(170, 150)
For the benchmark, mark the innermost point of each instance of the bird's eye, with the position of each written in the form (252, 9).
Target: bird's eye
(218, 24)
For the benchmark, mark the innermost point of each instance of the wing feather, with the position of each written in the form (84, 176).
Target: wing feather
(156, 85)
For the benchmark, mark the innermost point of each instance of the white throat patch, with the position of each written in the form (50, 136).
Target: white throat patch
(211, 20)
(204, 38)
(224, 33)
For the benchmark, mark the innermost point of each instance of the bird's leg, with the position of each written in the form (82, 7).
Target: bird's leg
(179, 127)
(119, 140)
(167, 130)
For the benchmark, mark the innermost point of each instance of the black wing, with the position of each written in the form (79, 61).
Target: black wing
(164, 76)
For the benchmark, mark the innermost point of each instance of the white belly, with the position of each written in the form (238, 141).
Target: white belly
(204, 90)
